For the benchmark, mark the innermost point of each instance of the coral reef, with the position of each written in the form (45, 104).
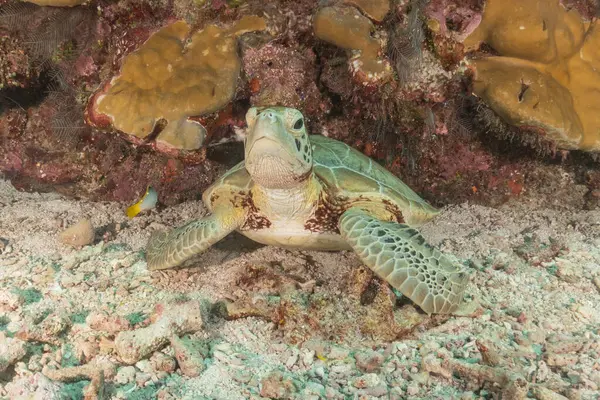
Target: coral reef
(78, 235)
(449, 23)
(545, 76)
(418, 122)
(252, 321)
(15, 69)
(185, 80)
(406, 36)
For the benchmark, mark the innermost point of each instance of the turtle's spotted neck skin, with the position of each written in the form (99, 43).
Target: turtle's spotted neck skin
(296, 203)
(311, 192)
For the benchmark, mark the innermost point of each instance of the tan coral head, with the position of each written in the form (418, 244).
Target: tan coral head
(547, 74)
(278, 154)
(174, 77)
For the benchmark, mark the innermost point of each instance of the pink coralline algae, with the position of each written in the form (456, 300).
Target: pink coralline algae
(285, 76)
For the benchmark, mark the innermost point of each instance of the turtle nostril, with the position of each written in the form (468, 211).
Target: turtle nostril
(267, 115)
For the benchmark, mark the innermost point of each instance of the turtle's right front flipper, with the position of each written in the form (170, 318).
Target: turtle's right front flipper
(401, 256)
(168, 250)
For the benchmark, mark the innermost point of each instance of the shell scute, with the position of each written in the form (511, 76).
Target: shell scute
(349, 173)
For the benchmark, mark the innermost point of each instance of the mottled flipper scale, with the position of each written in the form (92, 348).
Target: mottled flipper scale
(168, 250)
(401, 256)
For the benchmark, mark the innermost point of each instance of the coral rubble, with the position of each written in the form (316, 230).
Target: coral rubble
(176, 319)
(78, 323)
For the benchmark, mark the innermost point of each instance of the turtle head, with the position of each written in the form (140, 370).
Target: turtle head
(277, 149)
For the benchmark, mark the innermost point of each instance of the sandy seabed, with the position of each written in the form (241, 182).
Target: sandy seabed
(251, 321)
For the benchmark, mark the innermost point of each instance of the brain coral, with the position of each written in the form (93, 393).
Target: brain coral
(548, 73)
(167, 80)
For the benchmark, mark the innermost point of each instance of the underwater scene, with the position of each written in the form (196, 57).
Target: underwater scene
(299, 199)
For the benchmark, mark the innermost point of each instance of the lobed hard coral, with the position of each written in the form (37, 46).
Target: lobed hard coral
(546, 76)
(348, 29)
(167, 81)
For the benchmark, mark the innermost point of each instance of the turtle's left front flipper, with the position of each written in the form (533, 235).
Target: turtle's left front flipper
(401, 256)
(168, 250)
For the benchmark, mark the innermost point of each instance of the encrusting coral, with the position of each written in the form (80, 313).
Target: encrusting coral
(348, 29)
(546, 77)
(166, 81)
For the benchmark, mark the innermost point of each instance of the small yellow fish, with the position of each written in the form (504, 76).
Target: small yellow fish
(147, 202)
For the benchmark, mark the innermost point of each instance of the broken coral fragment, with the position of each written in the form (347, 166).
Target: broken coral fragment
(548, 73)
(96, 371)
(78, 235)
(56, 3)
(166, 81)
(347, 28)
(177, 319)
(374, 9)
(11, 351)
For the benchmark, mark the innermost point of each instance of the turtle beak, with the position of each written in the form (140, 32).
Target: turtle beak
(268, 137)
(270, 153)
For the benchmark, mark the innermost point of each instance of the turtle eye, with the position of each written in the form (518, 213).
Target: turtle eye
(298, 124)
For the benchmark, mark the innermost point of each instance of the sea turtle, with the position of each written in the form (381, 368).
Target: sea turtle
(312, 192)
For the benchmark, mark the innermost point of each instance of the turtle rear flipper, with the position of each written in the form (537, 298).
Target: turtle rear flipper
(168, 250)
(401, 256)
